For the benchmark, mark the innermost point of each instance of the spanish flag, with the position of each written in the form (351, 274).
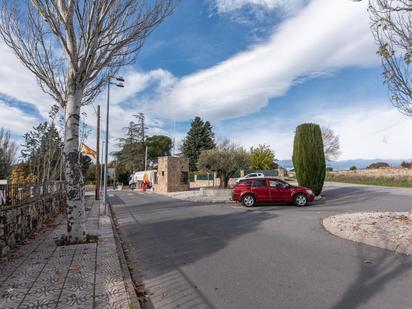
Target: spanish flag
(85, 150)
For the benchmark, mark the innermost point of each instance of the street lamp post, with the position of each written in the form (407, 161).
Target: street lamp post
(109, 82)
(101, 169)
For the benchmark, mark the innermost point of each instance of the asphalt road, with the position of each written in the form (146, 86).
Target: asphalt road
(192, 255)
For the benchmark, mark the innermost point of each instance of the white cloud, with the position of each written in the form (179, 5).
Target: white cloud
(225, 6)
(14, 119)
(367, 133)
(323, 37)
(19, 83)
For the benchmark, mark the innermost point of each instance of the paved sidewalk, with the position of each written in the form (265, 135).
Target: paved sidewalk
(44, 275)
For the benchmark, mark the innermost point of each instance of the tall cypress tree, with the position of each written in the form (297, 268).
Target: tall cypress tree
(199, 137)
(308, 157)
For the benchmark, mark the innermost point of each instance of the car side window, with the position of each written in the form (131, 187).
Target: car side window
(247, 183)
(252, 175)
(260, 183)
(273, 184)
(276, 184)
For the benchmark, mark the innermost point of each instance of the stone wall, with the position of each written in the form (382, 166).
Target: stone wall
(18, 223)
(210, 184)
(170, 173)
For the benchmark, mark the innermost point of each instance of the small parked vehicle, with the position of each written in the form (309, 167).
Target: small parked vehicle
(248, 176)
(270, 190)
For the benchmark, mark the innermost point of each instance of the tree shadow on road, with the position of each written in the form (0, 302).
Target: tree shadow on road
(377, 269)
(162, 240)
(168, 244)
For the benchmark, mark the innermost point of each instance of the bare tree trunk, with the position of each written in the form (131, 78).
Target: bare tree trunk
(76, 219)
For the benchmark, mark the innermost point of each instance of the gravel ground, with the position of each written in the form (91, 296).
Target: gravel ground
(388, 230)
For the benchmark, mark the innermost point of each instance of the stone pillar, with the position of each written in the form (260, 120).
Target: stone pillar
(173, 174)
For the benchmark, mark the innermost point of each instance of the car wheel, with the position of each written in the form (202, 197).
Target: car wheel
(300, 200)
(248, 200)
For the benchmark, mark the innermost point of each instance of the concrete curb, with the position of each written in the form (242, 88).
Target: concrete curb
(130, 287)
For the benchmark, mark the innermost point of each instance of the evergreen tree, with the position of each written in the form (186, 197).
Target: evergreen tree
(42, 152)
(158, 146)
(132, 149)
(200, 137)
(309, 158)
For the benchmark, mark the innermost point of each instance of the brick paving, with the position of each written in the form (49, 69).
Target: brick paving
(43, 275)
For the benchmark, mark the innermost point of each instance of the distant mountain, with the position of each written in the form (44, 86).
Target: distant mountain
(346, 164)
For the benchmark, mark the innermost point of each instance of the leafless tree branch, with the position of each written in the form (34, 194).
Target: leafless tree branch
(331, 144)
(391, 24)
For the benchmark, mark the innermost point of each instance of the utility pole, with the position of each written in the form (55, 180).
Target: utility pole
(106, 150)
(106, 154)
(145, 158)
(97, 193)
(102, 169)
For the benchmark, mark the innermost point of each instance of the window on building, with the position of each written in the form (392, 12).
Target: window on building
(163, 173)
(184, 178)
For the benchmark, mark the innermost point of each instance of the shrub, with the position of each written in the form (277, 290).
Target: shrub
(378, 165)
(329, 169)
(353, 168)
(308, 157)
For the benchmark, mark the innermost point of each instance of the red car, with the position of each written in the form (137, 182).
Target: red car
(265, 190)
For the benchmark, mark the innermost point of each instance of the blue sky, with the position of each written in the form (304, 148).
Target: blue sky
(254, 68)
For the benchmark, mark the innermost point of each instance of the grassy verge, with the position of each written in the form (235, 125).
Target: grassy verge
(393, 181)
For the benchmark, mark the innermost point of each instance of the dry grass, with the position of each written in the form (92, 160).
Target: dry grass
(394, 177)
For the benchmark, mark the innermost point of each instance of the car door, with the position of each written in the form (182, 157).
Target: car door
(279, 191)
(261, 190)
